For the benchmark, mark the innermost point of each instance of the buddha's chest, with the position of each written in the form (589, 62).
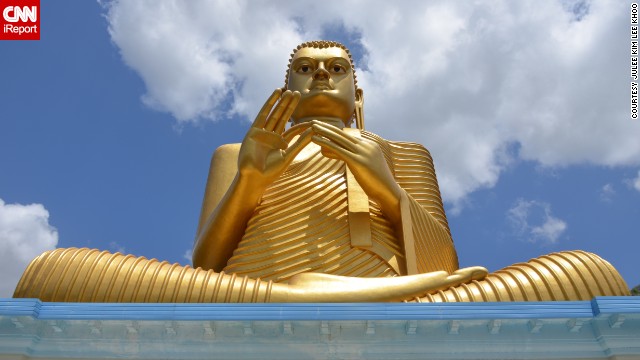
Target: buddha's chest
(301, 225)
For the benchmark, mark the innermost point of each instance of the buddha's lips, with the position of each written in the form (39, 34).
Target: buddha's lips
(321, 85)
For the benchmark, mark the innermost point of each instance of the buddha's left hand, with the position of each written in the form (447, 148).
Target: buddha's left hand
(365, 160)
(314, 287)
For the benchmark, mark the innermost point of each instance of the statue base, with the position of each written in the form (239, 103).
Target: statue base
(604, 328)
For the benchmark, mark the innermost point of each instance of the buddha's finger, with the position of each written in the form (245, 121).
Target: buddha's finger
(294, 149)
(266, 109)
(339, 132)
(469, 274)
(337, 138)
(276, 114)
(288, 111)
(339, 152)
(295, 130)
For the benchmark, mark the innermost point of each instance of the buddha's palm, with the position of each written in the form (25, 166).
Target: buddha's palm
(265, 153)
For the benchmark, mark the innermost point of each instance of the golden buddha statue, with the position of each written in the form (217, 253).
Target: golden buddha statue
(319, 212)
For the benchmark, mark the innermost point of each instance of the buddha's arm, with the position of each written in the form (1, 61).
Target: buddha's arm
(263, 155)
(229, 202)
(366, 161)
(400, 178)
(222, 171)
(415, 173)
(423, 210)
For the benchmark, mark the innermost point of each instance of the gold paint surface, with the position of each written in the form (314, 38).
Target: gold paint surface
(562, 276)
(302, 225)
(318, 212)
(358, 202)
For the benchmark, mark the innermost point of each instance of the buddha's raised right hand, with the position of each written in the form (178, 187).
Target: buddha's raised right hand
(265, 152)
(264, 155)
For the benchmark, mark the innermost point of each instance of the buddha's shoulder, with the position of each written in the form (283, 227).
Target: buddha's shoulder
(402, 146)
(225, 154)
(227, 150)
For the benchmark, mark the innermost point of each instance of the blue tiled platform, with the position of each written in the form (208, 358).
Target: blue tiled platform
(604, 328)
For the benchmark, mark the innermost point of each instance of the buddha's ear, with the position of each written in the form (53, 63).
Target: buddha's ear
(359, 110)
(359, 97)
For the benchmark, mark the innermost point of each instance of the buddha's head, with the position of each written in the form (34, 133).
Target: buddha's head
(323, 73)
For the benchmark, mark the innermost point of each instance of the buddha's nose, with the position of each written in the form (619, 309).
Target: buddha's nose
(321, 73)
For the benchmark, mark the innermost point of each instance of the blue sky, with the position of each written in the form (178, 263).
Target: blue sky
(109, 121)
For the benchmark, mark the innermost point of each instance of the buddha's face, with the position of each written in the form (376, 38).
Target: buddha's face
(324, 79)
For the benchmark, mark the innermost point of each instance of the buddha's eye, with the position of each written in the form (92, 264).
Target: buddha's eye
(304, 69)
(338, 69)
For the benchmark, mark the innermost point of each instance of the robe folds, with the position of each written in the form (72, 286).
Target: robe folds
(302, 224)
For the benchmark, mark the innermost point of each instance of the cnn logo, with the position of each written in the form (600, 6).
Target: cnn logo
(20, 20)
(24, 14)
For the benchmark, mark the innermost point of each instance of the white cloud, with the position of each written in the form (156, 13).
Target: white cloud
(194, 56)
(116, 247)
(532, 220)
(607, 192)
(480, 84)
(24, 234)
(188, 255)
(636, 182)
